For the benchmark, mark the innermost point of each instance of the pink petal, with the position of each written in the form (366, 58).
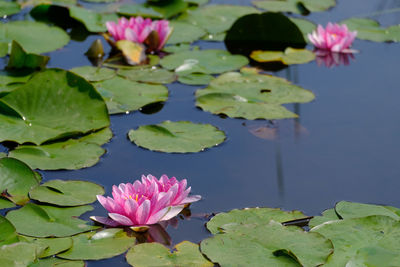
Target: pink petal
(105, 221)
(143, 212)
(121, 219)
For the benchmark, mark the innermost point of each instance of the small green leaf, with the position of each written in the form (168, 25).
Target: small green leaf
(289, 56)
(148, 75)
(5, 204)
(8, 235)
(53, 245)
(20, 59)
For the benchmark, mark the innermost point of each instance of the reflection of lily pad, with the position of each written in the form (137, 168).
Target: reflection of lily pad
(262, 98)
(94, 74)
(123, 95)
(16, 179)
(53, 104)
(34, 37)
(155, 254)
(295, 6)
(289, 56)
(266, 244)
(184, 33)
(71, 154)
(67, 193)
(203, 61)
(101, 245)
(48, 221)
(177, 137)
(368, 29)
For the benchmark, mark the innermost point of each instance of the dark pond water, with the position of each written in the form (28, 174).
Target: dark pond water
(344, 146)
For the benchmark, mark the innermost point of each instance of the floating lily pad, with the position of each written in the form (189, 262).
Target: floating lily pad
(196, 79)
(377, 234)
(67, 193)
(16, 179)
(305, 26)
(177, 137)
(216, 37)
(94, 74)
(9, 80)
(184, 33)
(155, 254)
(148, 75)
(123, 95)
(348, 210)
(327, 215)
(48, 221)
(101, 245)
(53, 245)
(56, 262)
(8, 8)
(262, 98)
(266, 244)
(179, 48)
(93, 21)
(8, 235)
(368, 29)
(71, 154)
(19, 58)
(164, 9)
(53, 104)
(6, 204)
(133, 10)
(11, 256)
(251, 216)
(288, 57)
(3, 49)
(34, 37)
(216, 18)
(203, 61)
(295, 6)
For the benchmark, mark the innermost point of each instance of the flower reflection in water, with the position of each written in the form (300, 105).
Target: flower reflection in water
(331, 59)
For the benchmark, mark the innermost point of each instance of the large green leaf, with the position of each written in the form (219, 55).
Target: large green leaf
(16, 180)
(56, 262)
(203, 61)
(93, 74)
(93, 21)
(177, 137)
(71, 154)
(8, 235)
(47, 221)
(19, 58)
(216, 18)
(123, 95)
(327, 215)
(368, 29)
(19, 254)
(155, 254)
(53, 245)
(295, 6)
(289, 56)
(8, 8)
(266, 244)
(351, 238)
(261, 99)
(34, 37)
(53, 104)
(66, 193)
(101, 245)
(184, 33)
(149, 75)
(251, 216)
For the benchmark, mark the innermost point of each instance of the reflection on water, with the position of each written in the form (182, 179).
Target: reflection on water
(330, 59)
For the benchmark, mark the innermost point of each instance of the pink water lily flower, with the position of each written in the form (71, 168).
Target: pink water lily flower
(138, 29)
(145, 202)
(334, 38)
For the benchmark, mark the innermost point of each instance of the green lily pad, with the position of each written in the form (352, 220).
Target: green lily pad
(48, 221)
(6, 204)
(177, 137)
(179, 48)
(251, 216)
(11, 256)
(21, 59)
(288, 57)
(350, 237)
(368, 29)
(71, 154)
(143, 10)
(34, 37)
(348, 210)
(8, 235)
(164, 9)
(56, 262)
(216, 37)
(155, 254)
(3, 49)
(327, 215)
(101, 245)
(264, 244)
(148, 75)
(66, 193)
(9, 80)
(16, 179)
(262, 98)
(203, 61)
(53, 245)
(184, 33)
(53, 104)
(123, 95)
(305, 26)
(295, 6)
(93, 21)
(8, 8)
(216, 18)
(196, 79)
(93, 74)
